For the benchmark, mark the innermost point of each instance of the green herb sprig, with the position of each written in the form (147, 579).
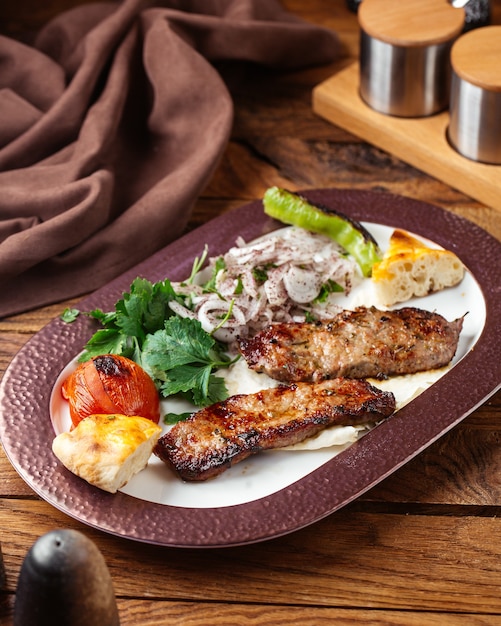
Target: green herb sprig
(177, 352)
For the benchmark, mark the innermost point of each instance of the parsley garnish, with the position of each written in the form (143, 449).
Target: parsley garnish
(174, 418)
(260, 273)
(219, 265)
(141, 311)
(182, 357)
(326, 289)
(69, 315)
(176, 351)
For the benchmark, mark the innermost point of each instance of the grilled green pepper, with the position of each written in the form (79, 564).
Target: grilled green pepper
(291, 208)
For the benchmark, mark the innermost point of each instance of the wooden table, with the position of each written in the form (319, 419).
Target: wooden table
(423, 547)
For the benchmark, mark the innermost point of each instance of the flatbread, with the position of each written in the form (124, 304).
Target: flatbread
(411, 268)
(107, 450)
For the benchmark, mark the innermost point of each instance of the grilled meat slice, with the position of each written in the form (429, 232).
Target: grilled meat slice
(362, 343)
(219, 436)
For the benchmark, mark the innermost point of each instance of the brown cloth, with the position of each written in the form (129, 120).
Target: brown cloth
(112, 123)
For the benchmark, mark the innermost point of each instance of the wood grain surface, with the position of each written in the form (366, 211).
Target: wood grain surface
(476, 58)
(424, 546)
(412, 23)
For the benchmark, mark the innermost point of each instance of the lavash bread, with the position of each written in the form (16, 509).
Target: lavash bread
(107, 450)
(410, 268)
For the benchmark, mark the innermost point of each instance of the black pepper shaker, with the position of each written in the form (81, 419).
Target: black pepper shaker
(64, 581)
(477, 13)
(353, 5)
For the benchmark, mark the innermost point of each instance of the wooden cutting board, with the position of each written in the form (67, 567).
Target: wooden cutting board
(421, 142)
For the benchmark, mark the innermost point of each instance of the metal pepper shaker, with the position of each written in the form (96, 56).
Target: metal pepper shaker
(475, 107)
(404, 55)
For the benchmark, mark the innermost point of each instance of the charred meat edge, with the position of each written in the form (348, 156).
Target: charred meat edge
(217, 437)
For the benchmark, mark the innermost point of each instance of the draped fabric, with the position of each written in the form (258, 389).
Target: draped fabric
(112, 123)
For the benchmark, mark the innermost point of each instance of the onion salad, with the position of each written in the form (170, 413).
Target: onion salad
(288, 275)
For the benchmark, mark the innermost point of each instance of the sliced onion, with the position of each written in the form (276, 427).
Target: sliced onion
(180, 310)
(297, 263)
(211, 312)
(302, 285)
(274, 287)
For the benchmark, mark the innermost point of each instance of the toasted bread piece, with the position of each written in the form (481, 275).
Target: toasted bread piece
(107, 450)
(410, 268)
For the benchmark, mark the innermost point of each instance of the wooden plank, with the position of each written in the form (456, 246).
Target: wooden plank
(154, 613)
(421, 142)
(349, 560)
(150, 613)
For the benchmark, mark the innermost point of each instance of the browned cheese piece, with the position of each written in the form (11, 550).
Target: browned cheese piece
(362, 343)
(219, 436)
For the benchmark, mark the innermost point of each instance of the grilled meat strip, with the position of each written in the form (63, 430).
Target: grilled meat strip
(362, 343)
(218, 436)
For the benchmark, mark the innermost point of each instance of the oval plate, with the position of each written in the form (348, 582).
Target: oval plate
(26, 430)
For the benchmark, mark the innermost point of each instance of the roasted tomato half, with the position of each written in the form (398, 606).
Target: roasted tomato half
(111, 384)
